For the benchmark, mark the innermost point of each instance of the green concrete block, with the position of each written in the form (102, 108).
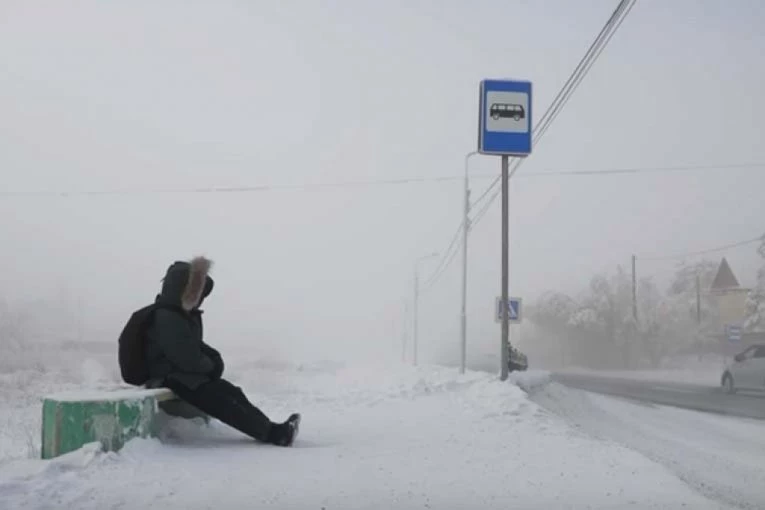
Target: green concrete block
(71, 420)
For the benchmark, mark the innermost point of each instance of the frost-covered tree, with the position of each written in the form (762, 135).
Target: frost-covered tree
(553, 310)
(550, 315)
(755, 302)
(649, 344)
(608, 304)
(692, 315)
(684, 281)
(597, 328)
(683, 287)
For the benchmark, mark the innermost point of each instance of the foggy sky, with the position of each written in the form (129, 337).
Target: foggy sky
(148, 96)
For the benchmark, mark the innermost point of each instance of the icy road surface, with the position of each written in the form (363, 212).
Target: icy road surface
(720, 456)
(372, 437)
(693, 396)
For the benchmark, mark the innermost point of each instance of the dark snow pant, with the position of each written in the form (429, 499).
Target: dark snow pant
(226, 402)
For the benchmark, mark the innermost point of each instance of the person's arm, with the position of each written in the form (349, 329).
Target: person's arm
(174, 335)
(217, 359)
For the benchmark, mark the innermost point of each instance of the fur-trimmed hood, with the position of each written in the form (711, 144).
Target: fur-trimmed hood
(187, 283)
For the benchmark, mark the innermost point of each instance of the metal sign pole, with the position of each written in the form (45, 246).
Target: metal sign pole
(505, 276)
(504, 129)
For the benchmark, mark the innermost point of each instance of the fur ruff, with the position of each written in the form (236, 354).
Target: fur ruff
(195, 285)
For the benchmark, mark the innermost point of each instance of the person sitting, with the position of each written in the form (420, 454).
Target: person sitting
(179, 359)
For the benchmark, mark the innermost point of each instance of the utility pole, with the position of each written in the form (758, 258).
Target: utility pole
(416, 312)
(465, 232)
(698, 298)
(505, 276)
(634, 290)
(404, 333)
(416, 303)
(80, 318)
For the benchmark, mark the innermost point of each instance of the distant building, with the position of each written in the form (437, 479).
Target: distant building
(729, 295)
(724, 280)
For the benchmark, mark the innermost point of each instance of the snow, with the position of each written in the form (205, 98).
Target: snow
(721, 457)
(530, 380)
(372, 436)
(108, 395)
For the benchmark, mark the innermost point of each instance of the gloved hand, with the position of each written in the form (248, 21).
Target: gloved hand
(214, 355)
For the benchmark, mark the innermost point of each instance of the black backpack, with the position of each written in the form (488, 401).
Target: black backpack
(132, 345)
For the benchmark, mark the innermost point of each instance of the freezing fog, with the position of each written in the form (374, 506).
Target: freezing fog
(119, 122)
(315, 152)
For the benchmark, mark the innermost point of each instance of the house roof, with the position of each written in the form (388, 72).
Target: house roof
(724, 279)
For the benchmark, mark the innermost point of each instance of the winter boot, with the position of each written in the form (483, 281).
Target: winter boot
(284, 434)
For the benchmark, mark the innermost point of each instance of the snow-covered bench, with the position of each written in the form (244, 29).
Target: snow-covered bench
(73, 419)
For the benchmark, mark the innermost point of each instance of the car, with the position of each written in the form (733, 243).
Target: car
(746, 371)
(517, 360)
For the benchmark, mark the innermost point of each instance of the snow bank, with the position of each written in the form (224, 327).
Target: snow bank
(107, 394)
(530, 380)
(54, 370)
(372, 437)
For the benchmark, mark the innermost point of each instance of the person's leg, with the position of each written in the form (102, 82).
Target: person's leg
(226, 402)
(282, 434)
(182, 409)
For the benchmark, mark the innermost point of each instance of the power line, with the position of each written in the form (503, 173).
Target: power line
(483, 195)
(613, 171)
(561, 99)
(480, 214)
(391, 182)
(738, 244)
(580, 68)
(445, 260)
(592, 54)
(612, 25)
(644, 170)
(243, 189)
(564, 94)
(437, 276)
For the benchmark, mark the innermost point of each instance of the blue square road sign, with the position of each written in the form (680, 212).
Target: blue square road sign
(504, 118)
(513, 310)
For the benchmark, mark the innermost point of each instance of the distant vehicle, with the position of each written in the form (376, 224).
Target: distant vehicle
(517, 361)
(507, 110)
(747, 371)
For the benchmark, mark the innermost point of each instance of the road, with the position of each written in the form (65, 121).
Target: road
(719, 456)
(689, 396)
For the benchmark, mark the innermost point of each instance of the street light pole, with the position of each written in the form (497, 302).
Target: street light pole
(465, 230)
(416, 313)
(416, 303)
(404, 332)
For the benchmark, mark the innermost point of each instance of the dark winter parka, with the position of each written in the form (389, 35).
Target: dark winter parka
(176, 349)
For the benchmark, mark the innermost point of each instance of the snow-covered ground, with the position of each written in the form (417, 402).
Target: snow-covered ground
(372, 437)
(721, 457)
